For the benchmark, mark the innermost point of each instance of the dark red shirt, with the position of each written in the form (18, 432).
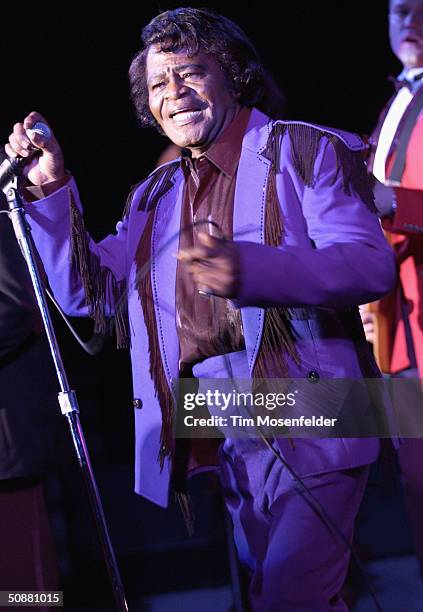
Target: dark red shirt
(208, 325)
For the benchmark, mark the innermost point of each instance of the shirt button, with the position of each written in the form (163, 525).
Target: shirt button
(313, 376)
(137, 403)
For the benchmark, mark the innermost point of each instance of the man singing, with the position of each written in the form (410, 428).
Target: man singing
(280, 244)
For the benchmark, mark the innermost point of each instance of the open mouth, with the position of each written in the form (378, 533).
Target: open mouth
(185, 115)
(412, 39)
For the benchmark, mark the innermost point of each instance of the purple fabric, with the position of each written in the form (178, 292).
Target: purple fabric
(294, 562)
(334, 254)
(307, 456)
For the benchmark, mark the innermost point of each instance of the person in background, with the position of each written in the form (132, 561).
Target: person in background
(272, 293)
(395, 324)
(29, 419)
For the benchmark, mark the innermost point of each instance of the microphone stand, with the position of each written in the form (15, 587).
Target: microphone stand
(67, 397)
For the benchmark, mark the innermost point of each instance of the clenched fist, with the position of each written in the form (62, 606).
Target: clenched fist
(214, 265)
(46, 167)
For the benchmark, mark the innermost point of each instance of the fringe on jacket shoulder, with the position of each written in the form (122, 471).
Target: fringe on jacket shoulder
(305, 140)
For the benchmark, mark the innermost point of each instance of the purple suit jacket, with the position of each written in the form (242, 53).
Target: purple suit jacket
(333, 256)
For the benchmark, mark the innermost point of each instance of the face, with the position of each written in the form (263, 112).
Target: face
(189, 98)
(406, 31)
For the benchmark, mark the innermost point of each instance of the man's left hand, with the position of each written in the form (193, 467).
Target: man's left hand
(214, 265)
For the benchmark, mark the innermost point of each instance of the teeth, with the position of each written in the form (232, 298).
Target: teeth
(185, 116)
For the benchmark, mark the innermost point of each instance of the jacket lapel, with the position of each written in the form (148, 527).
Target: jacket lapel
(164, 243)
(249, 209)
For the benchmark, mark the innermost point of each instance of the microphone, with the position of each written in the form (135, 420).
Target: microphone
(13, 165)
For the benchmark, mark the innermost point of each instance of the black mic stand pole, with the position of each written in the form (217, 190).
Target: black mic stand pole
(67, 397)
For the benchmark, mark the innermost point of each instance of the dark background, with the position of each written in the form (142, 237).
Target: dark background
(69, 61)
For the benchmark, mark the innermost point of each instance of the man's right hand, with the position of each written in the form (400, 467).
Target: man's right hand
(49, 165)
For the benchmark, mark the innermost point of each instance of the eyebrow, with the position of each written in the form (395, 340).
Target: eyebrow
(178, 68)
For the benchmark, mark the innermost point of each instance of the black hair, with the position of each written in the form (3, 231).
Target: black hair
(194, 30)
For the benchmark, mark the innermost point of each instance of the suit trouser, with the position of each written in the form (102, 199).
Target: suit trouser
(294, 561)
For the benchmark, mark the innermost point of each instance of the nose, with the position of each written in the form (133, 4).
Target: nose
(175, 88)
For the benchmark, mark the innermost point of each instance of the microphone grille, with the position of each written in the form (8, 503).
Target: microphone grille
(42, 129)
